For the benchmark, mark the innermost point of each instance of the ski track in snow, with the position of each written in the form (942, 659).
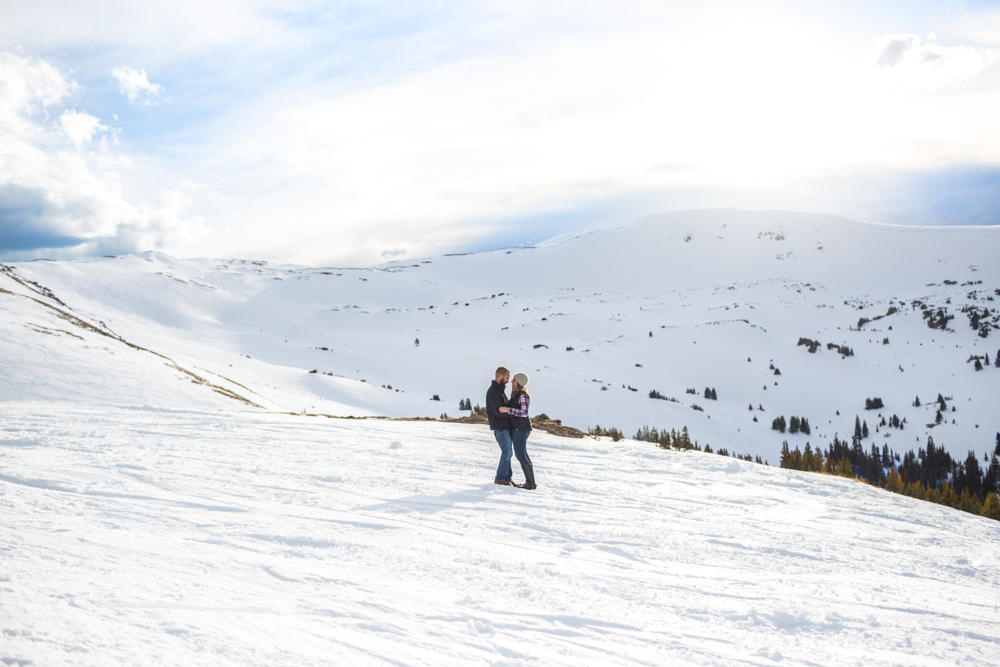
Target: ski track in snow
(172, 537)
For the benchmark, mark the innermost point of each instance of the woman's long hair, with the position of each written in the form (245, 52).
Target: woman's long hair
(517, 392)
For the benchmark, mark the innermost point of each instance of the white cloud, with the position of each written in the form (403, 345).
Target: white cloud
(60, 190)
(80, 127)
(931, 65)
(355, 129)
(134, 83)
(27, 87)
(895, 48)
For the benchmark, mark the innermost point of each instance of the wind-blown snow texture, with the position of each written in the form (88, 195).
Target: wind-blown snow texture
(715, 288)
(157, 508)
(140, 536)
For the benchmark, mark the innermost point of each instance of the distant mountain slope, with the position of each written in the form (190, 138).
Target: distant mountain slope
(688, 300)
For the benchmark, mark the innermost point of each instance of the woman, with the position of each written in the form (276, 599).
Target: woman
(520, 425)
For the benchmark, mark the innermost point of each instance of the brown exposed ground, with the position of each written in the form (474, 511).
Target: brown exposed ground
(540, 422)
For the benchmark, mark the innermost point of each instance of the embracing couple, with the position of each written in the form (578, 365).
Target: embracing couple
(509, 422)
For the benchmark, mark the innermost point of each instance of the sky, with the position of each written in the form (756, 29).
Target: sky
(350, 134)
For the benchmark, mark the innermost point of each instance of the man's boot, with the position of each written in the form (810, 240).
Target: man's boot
(529, 476)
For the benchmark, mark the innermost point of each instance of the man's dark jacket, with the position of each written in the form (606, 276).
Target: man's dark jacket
(495, 399)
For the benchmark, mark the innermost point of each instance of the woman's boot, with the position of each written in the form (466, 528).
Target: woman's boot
(529, 476)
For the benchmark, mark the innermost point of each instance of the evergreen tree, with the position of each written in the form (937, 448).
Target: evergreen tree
(751, 406)
(969, 502)
(857, 428)
(864, 429)
(979, 365)
(708, 393)
(786, 456)
(804, 427)
(973, 476)
(916, 402)
(948, 496)
(893, 483)
(715, 396)
(996, 359)
(793, 424)
(807, 458)
(844, 468)
(796, 460)
(991, 507)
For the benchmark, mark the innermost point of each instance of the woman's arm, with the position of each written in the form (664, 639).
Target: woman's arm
(521, 411)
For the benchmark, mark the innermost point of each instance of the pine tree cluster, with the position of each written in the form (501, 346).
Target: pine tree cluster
(665, 439)
(860, 429)
(794, 425)
(874, 404)
(842, 349)
(673, 439)
(937, 319)
(929, 474)
(613, 433)
(983, 361)
(979, 318)
(812, 344)
(655, 394)
(893, 422)
(710, 394)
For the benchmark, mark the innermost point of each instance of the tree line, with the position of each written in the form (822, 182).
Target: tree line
(930, 473)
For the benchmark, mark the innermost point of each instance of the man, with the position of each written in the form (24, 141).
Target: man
(500, 424)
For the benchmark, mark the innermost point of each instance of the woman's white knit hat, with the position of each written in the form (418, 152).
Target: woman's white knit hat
(521, 379)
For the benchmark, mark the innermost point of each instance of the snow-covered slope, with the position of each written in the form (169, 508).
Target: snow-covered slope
(141, 536)
(678, 301)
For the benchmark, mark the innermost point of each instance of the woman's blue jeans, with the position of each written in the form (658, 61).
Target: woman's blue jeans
(503, 470)
(520, 442)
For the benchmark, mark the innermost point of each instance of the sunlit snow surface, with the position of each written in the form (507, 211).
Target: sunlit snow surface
(168, 537)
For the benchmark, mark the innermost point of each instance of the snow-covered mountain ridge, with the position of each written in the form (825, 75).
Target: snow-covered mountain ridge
(680, 301)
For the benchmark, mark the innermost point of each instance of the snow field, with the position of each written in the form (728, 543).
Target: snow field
(714, 287)
(159, 537)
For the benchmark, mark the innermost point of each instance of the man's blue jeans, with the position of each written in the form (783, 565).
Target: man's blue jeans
(506, 450)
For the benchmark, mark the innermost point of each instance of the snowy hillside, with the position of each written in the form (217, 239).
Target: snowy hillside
(682, 301)
(145, 536)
